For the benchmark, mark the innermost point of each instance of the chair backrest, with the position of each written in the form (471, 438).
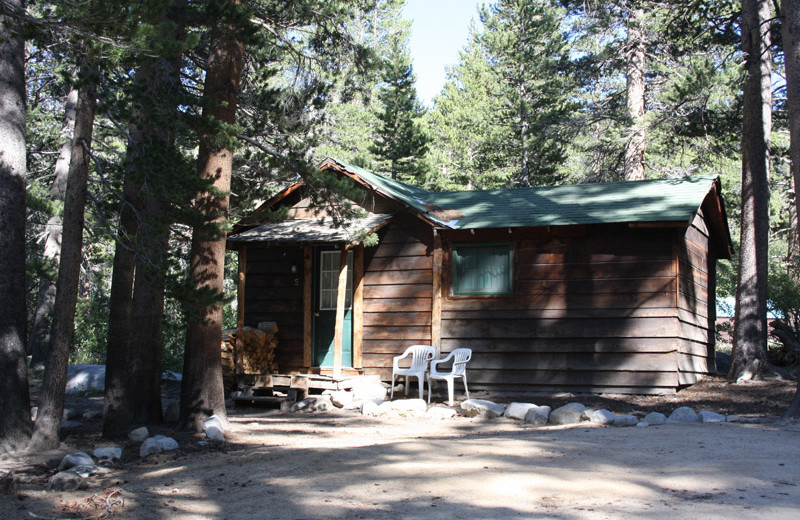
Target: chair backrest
(420, 355)
(460, 358)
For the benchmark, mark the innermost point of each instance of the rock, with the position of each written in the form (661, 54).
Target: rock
(139, 434)
(91, 415)
(439, 413)
(518, 410)
(568, 414)
(75, 459)
(654, 418)
(302, 405)
(215, 434)
(70, 425)
(483, 408)
(407, 407)
(85, 378)
(370, 408)
(172, 411)
(213, 422)
(70, 413)
(602, 417)
(86, 471)
(369, 389)
(707, 416)
(626, 420)
(65, 481)
(157, 444)
(322, 404)
(341, 398)
(538, 415)
(110, 453)
(682, 415)
(169, 375)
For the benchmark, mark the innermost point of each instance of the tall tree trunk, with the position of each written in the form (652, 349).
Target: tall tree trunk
(133, 361)
(634, 96)
(201, 390)
(15, 419)
(51, 402)
(750, 320)
(791, 48)
(46, 298)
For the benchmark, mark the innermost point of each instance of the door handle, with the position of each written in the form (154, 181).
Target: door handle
(316, 315)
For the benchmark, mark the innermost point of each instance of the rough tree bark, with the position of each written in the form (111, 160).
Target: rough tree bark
(51, 401)
(750, 320)
(15, 419)
(46, 297)
(201, 390)
(634, 96)
(791, 48)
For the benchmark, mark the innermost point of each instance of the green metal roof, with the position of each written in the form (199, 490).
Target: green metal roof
(665, 200)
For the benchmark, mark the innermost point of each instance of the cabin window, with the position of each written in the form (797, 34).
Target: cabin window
(482, 269)
(329, 280)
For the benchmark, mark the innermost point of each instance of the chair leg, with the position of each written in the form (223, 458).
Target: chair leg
(391, 397)
(421, 385)
(450, 390)
(406, 389)
(430, 389)
(466, 389)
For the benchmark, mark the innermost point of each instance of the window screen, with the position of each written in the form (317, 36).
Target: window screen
(482, 269)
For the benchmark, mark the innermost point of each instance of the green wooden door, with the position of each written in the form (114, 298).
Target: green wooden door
(326, 280)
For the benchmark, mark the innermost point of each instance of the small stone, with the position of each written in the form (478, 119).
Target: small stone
(568, 414)
(538, 415)
(213, 422)
(87, 470)
(172, 411)
(65, 481)
(603, 416)
(139, 434)
(437, 413)
(341, 398)
(683, 415)
(483, 408)
(75, 459)
(302, 405)
(111, 453)
(91, 415)
(518, 410)
(707, 416)
(370, 408)
(654, 418)
(626, 420)
(70, 413)
(70, 425)
(322, 404)
(215, 434)
(157, 444)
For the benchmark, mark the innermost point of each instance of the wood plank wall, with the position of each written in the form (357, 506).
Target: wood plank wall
(595, 311)
(696, 294)
(397, 293)
(274, 293)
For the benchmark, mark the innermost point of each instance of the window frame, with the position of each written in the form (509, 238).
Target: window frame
(455, 290)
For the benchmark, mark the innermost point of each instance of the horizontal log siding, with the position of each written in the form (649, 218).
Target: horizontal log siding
(397, 293)
(696, 295)
(274, 293)
(589, 313)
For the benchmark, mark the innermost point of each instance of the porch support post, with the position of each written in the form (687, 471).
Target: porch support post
(358, 304)
(238, 347)
(308, 299)
(436, 300)
(340, 301)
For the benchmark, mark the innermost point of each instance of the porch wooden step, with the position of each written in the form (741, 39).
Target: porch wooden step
(285, 403)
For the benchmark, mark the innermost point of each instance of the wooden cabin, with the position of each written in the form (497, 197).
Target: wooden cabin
(582, 288)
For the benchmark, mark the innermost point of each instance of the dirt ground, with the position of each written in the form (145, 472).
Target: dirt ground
(343, 465)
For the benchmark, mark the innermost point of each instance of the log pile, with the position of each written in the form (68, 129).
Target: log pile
(255, 351)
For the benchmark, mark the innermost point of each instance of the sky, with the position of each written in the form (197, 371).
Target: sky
(439, 30)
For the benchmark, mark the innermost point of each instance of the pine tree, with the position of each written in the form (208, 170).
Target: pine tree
(401, 143)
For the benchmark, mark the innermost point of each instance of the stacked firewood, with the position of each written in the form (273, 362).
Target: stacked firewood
(255, 351)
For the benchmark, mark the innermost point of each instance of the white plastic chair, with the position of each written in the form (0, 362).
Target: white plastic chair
(420, 356)
(459, 357)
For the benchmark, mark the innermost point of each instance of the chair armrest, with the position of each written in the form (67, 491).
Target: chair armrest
(436, 362)
(396, 359)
